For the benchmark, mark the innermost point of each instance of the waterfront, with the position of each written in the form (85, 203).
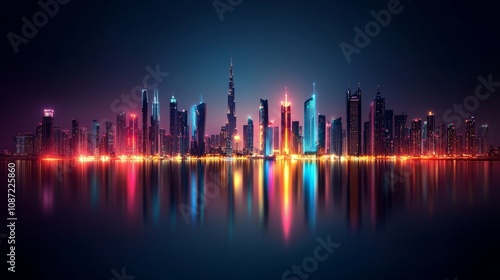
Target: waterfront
(255, 219)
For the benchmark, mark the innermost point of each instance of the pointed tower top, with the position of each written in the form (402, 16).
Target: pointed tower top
(359, 85)
(378, 92)
(286, 96)
(314, 88)
(201, 98)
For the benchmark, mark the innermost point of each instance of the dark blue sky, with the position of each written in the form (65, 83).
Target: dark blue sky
(89, 54)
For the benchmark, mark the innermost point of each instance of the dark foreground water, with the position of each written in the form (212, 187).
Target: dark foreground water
(254, 220)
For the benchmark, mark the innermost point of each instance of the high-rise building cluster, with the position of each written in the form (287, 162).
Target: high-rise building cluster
(383, 134)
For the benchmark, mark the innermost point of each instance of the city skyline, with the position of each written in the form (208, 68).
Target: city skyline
(89, 69)
(317, 134)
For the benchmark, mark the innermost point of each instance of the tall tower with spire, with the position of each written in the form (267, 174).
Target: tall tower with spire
(286, 125)
(155, 125)
(231, 114)
(354, 122)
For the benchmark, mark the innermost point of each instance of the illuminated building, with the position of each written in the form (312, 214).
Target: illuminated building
(416, 138)
(38, 139)
(199, 129)
(297, 141)
(431, 134)
(400, 130)
(452, 139)
(24, 145)
(484, 140)
(336, 137)
(265, 135)
(133, 134)
(377, 131)
(47, 142)
(248, 137)
(286, 125)
(110, 138)
(184, 132)
(173, 129)
(155, 125)
(121, 133)
(310, 124)
(321, 134)
(366, 138)
(145, 134)
(389, 132)
(94, 139)
(276, 137)
(75, 138)
(231, 114)
(470, 136)
(354, 122)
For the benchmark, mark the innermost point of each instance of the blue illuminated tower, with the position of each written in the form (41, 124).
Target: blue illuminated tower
(310, 124)
(264, 133)
(155, 125)
(201, 116)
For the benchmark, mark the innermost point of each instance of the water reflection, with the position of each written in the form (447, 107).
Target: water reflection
(282, 198)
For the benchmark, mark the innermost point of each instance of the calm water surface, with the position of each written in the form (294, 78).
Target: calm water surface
(254, 219)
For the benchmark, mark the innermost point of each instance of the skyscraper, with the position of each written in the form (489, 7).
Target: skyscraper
(47, 132)
(286, 125)
(431, 134)
(184, 132)
(484, 140)
(400, 129)
(121, 133)
(297, 141)
(201, 115)
(75, 138)
(377, 130)
(452, 139)
(24, 144)
(248, 137)
(366, 138)
(470, 135)
(155, 124)
(416, 137)
(354, 122)
(389, 132)
(110, 138)
(173, 129)
(321, 134)
(94, 139)
(336, 137)
(276, 137)
(145, 134)
(133, 134)
(264, 137)
(231, 114)
(310, 124)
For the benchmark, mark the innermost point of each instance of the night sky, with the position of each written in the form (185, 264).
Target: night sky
(426, 59)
